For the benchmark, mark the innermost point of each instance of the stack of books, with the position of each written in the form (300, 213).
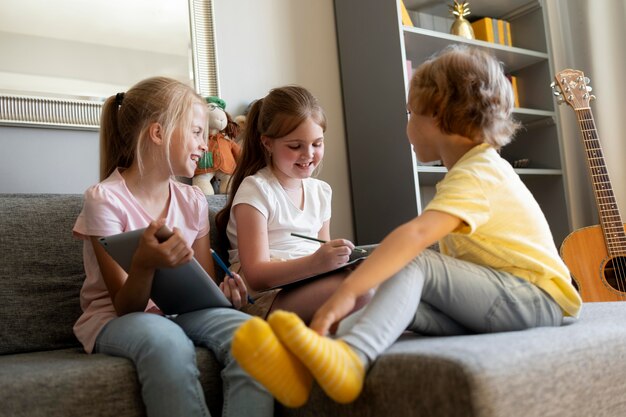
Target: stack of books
(425, 20)
(493, 30)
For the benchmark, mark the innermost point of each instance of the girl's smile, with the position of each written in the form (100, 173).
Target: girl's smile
(189, 146)
(296, 155)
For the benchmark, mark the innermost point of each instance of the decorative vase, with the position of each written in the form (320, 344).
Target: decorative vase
(461, 26)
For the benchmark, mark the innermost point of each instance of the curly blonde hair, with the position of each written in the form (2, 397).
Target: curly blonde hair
(467, 93)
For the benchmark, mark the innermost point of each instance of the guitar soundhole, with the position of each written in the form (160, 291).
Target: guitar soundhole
(615, 273)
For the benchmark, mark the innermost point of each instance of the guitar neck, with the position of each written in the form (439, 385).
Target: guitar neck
(610, 219)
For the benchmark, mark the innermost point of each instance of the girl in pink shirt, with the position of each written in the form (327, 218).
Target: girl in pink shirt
(151, 133)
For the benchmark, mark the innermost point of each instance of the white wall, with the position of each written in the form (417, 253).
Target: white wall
(261, 45)
(588, 35)
(78, 68)
(270, 43)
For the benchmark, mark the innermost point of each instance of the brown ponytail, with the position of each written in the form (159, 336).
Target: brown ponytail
(274, 116)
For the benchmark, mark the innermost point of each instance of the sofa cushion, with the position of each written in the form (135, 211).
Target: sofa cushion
(216, 203)
(69, 382)
(41, 272)
(39, 291)
(574, 370)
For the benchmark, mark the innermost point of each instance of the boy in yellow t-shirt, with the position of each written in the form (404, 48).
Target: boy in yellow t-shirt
(498, 269)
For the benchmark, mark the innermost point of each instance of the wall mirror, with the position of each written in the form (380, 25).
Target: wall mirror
(61, 59)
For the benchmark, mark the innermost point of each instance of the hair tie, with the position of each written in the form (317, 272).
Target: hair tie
(119, 97)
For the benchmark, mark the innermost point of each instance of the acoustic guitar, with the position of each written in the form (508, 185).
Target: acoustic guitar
(595, 255)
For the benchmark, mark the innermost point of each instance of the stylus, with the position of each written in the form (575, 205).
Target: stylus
(323, 241)
(226, 270)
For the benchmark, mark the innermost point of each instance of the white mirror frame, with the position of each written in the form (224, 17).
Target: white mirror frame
(84, 114)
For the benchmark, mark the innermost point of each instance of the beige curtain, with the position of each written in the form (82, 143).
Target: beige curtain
(588, 35)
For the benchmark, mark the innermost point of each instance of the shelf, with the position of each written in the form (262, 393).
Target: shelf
(373, 50)
(430, 175)
(426, 169)
(495, 8)
(533, 117)
(423, 43)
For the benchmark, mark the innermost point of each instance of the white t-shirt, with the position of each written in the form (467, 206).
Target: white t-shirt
(110, 208)
(263, 192)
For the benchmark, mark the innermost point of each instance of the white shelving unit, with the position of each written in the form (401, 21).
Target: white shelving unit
(388, 185)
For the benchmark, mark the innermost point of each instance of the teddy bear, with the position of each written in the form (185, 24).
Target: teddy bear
(218, 164)
(240, 120)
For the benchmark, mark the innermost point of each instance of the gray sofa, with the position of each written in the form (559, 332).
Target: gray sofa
(576, 370)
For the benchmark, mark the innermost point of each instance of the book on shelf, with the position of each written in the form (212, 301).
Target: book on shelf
(504, 32)
(483, 29)
(406, 19)
(424, 20)
(431, 22)
(513, 80)
(493, 30)
(409, 71)
(442, 24)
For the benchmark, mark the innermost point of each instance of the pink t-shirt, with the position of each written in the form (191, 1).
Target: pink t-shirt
(110, 208)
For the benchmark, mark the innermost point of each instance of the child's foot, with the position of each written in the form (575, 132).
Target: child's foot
(260, 353)
(334, 365)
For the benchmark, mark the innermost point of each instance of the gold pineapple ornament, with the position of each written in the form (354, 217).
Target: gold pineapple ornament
(461, 26)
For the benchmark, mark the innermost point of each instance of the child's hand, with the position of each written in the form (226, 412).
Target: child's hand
(334, 253)
(339, 305)
(152, 254)
(235, 290)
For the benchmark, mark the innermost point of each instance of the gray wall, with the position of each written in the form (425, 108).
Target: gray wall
(36, 160)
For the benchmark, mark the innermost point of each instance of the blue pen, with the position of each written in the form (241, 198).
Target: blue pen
(226, 270)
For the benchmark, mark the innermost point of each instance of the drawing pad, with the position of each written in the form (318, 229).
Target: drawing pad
(177, 290)
(356, 257)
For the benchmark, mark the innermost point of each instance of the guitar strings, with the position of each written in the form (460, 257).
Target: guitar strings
(606, 198)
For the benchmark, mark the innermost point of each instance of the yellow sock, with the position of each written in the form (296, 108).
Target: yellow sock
(334, 365)
(261, 354)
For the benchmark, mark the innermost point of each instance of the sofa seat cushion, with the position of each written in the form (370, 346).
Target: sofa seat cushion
(69, 383)
(41, 272)
(546, 371)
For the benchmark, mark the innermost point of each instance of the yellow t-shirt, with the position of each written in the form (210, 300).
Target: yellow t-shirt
(503, 226)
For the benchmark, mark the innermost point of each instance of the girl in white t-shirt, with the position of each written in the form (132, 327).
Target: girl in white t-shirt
(148, 135)
(273, 196)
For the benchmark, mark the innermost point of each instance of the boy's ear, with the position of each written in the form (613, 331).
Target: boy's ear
(155, 133)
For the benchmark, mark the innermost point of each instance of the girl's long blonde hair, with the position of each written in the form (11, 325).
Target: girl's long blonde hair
(127, 116)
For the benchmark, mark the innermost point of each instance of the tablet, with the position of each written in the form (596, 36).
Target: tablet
(177, 290)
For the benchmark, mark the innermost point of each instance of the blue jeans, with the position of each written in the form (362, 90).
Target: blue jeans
(163, 352)
(440, 295)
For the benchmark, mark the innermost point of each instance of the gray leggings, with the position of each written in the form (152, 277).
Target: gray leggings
(439, 295)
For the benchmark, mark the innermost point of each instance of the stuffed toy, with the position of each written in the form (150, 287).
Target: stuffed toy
(241, 126)
(241, 123)
(218, 164)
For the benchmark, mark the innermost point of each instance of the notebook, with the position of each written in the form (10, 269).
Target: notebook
(177, 290)
(356, 257)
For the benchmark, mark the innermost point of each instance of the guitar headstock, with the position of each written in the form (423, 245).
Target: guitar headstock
(571, 86)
